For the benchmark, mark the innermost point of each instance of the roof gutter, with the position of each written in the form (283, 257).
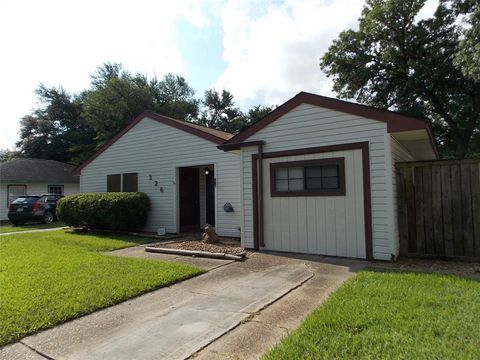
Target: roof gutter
(236, 146)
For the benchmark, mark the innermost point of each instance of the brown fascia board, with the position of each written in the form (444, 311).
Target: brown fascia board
(154, 116)
(396, 122)
(236, 146)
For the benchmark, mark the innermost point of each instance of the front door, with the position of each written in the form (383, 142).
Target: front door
(210, 197)
(189, 199)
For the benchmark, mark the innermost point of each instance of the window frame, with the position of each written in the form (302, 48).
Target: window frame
(8, 192)
(338, 161)
(59, 186)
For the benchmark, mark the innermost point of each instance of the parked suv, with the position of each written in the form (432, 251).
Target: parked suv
(33, 208)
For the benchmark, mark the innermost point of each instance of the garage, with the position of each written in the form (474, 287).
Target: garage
(318, 177)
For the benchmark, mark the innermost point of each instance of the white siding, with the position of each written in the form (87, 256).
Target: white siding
(32, 189)
(398, 154)
(312, 126)
(152, 148)
(329, 225)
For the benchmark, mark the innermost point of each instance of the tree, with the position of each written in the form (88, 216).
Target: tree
(55, 130)
(7, 155)
(116, 97)
(220, 112)
(468, 56)
(257, 113)
(415, 67)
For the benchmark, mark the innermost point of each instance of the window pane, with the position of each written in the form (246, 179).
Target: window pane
(313, 171)
(281, 173)
(314, 184)
(330, 170)
(14, 191)
(330, 183)
(295, 184)
(295, 172)
(55, 189)
(281, 185)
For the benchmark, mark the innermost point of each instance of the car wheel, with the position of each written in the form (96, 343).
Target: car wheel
(48, 217)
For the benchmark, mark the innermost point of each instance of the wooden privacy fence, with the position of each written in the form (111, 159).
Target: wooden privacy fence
(439, 208)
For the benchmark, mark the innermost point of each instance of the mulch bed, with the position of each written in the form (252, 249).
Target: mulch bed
(465, 269)
(221, 247)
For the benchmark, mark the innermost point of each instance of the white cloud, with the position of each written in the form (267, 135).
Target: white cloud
(274, 55)
(62, 42)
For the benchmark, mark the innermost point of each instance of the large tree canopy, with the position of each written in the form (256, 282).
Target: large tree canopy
(427, 68)
(69, 127)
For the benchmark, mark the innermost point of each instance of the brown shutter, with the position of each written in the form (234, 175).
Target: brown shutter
(113, 183)
(130, 182)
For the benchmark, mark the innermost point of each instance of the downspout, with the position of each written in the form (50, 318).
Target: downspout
(260, 195)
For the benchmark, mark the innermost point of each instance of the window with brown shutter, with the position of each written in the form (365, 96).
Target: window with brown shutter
(130, 182)
(114, 183)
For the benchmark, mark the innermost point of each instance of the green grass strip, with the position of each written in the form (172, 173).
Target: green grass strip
(391, 315)
(49, 278)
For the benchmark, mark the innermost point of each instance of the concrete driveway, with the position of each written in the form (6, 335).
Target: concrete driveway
(236, 310)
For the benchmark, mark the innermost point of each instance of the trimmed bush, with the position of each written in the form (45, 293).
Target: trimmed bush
(112, 210)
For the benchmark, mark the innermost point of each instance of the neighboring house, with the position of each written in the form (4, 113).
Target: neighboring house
(34, 177)
(316, 175)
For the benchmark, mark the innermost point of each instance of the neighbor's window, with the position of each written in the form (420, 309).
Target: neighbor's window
(55, 189)
(14, 191)
(325, 177)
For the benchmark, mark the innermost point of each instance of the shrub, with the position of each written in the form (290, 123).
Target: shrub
(113, 210)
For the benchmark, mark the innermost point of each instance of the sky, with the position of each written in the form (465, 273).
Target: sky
(263, 52)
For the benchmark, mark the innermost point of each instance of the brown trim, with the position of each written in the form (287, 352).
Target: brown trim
(255, 203)
(339, 161)
(367, 203)
(396, 122)
(8, 192)
(236, 146)
(193, 129)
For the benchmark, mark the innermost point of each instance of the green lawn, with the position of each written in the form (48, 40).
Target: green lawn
(388, 315)
(6, 226)
(48, 278)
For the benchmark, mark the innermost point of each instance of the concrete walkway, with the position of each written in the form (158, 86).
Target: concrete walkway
(33, 231)
(237, 310)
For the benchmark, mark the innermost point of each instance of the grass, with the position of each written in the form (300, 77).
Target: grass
(389, 315)
(6, 226)
(49, 278)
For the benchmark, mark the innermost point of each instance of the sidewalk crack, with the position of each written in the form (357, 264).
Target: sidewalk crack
(36, 351)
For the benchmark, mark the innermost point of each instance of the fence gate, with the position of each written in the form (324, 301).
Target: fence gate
(439, 208)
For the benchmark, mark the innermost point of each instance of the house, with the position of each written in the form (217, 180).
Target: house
(316, 175)
(188, 180)
(34, 177)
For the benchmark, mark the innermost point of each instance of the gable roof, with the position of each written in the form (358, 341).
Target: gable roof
(396, 122)
(37, 170)
(213, 135)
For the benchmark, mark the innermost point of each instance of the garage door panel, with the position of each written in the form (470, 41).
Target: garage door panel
(329, 225)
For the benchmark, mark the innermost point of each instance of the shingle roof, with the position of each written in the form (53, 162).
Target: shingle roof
(37, 170)
(213, 135)
(218, 133)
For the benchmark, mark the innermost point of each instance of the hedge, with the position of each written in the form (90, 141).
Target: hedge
(112, 210)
